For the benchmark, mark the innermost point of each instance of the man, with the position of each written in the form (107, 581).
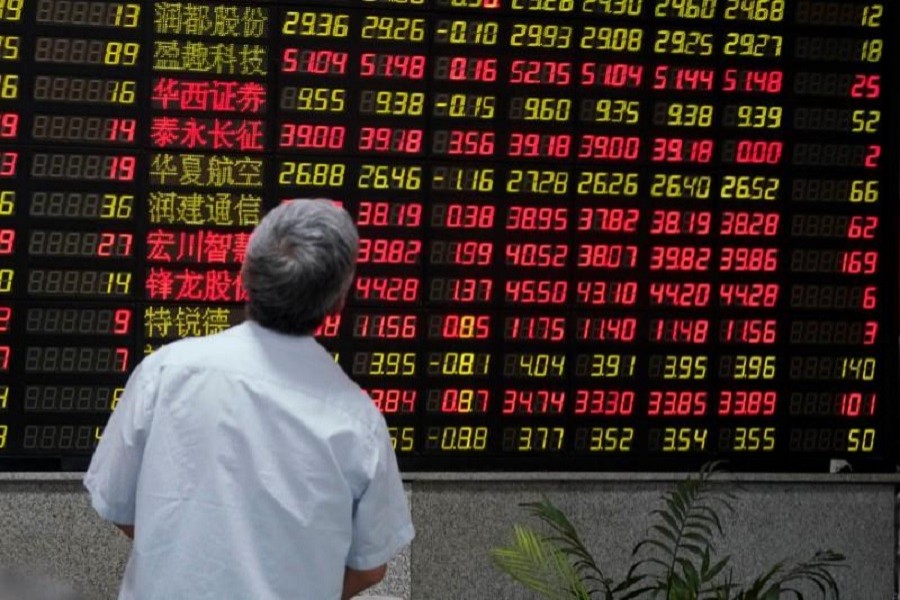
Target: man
(247, 465)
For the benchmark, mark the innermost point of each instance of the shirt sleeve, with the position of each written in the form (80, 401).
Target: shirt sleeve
(112, 476)
(382, 524)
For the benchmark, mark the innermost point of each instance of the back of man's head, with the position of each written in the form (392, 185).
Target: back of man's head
(299, 265)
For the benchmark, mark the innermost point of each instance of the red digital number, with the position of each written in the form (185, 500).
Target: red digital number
(609, 147)
(770, 82)
(7, 241)
(314, 62)
(122, 318)
(549, 256)
(457, 401)
(747, 403)
(857, 404)
(677, 403)
(392, 401)
(749, 331)
(618, 75)
(319, 137)
(5, 318)
(534, 291)
(599, 293)
(748, 259)
(9, 125)
(866, 86)
(750, 295)
(537, 218)
(549, 329)
(759, 152)
(686, 294)
(121, 130)
(329, 327)
(691, 331)
(540, 72)
(859, 262)
(750, 223)
(389, 251)
(121, 168)
(393, 289)
(677, 222)
(378, 214)
(533, 402)
(8, 162)
(392, 65)
(460, 327)
(388, 139)
(680, 258)
(609, 403)
(537, 145)
(606, 329)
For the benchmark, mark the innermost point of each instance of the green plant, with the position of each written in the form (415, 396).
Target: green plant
(674, 562)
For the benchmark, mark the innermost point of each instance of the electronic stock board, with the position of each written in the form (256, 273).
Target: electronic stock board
(595, 234)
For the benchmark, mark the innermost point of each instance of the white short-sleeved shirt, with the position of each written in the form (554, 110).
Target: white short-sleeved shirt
(252, 468)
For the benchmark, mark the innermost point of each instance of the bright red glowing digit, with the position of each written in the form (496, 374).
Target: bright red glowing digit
(4, 358)
(9, 125)
(122, 317)
(5, 318)
(7, 241)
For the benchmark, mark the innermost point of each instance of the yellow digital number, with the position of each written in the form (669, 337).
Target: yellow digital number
(386, 177)
(402, 438)
(871, 50)
(606, 110)
(11, 10)
(864, 190)
(123, 92)
(98, 433)
(464, 438)
(117, 206)
(754, 366)
(689, 115)
(9, 86)
(681, 186)
(313, 24)
(117, 396)
(684, 439)
(4, 396)
(631, 8)
(679, 41)
(118, 282)
(614, 39)
(6, 280)
(685, 367)
(753, 439)
(748, 187)
(866, 121)
(9, 47)
(611, 439)
(121, 53)
(755, 10)
(758, 116)
(307, 174)
(392, 363)
(871, 15)
(2, 437)
(686, 9)
(541, 35)
(7, 203)
(396, 29)
(861, 440)
(127, 15)
(757, 45)
(540, 438)
(390, 102)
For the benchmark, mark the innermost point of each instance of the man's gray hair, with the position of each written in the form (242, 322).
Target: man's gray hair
(299, 265)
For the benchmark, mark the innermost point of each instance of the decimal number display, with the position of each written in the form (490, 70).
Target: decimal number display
(593, 234)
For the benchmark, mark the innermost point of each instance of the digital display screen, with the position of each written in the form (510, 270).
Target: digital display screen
(595, 235)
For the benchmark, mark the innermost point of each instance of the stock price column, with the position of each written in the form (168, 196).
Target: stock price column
(536, 256)
(76, 220)
(608, 221)
(207, 132)
(466, 76)
(839, 223)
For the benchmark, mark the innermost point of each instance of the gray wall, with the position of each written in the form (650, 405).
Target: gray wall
(46, 525)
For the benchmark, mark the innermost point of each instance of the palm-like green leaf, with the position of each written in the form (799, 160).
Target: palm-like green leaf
(676, 560)
(539, 565)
